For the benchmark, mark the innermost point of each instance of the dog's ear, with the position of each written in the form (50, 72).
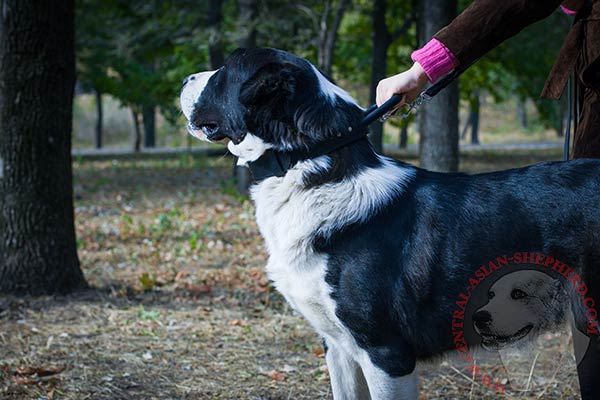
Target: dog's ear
(273, 83)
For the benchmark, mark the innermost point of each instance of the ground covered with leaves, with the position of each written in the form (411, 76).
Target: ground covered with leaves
(180, 308)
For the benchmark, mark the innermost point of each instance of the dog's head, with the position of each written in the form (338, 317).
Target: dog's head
(266, 98)
(521, 304)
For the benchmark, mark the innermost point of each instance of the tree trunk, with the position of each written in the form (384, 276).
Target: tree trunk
(215, 42)
(137, 134)
(381, 42)
(563, 116)
(382, 39)
(522, 114)
(98, 134)
(38, 253)
(247, 16)
(149, 119)
(247, 19)
(328, 34)
(403, 136)
(439, 118)
(474, 116)
(465, 129)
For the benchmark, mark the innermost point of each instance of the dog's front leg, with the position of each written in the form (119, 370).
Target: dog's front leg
(382, 386)
(347, 379)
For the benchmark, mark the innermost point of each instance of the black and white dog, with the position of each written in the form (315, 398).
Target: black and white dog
(372, 251)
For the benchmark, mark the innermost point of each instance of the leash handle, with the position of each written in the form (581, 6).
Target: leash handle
(442, 83)
(374, 112)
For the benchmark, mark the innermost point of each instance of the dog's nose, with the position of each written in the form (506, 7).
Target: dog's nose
(187, 79)
(482, 318)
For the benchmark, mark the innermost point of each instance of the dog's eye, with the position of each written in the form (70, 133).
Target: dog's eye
(491, 294)
(517, 294)
(209, 129)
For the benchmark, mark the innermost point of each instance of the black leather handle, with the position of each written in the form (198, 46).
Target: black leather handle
(374, 112)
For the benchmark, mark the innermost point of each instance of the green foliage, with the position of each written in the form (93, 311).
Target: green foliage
(148, 315)
(228, 187)
(139, 51)
(147, 282)
(355, 44)
(520, 66)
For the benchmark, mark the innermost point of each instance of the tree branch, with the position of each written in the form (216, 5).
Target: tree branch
(402, 29)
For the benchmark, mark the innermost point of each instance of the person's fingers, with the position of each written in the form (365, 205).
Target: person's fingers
(384, 91)
(380, 95)
(400, 105)
(384, 94)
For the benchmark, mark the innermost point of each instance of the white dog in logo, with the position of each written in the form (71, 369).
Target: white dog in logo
(520, 304)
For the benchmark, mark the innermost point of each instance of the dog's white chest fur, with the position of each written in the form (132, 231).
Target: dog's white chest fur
(287, 225)
(290, 216)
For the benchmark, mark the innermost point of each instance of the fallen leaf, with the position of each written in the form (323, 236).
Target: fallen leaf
(181, 275)
(319, 352)
(197, 290)
(323, 373)
(238, 322)
(263, 283)
(40, 371)
(276, 375)
(23, 380)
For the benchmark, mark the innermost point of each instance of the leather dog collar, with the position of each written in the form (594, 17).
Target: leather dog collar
(277, 163)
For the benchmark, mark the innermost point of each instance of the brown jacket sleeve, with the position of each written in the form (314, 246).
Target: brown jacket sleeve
(487, 23)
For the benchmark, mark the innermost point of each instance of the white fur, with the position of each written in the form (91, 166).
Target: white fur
(189, 96)
(331, 90)
(289, 216)
(347, 380)
(249, 149)
(330, 206)
(384, 387)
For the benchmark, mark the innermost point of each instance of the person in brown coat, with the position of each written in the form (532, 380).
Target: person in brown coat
(486, 24)
(481, 27)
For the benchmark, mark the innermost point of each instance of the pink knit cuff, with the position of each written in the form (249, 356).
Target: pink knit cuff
(436, 59)
(567, 11)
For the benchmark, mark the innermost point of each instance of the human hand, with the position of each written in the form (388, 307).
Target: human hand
(408, 83)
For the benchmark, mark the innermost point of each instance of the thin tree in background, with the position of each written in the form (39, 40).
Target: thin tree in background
(382, 39)
(247, 19)
(99, 119)
(215, 41)
(473, 117)
(522, 113)
(328, 33)
(327, 30)
(439, 118)
(136, 142)
(37, 76)
(149, 120)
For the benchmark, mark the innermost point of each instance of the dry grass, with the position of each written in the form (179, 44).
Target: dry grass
(181, 308)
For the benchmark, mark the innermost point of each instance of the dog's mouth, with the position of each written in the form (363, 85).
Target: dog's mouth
(494, 342)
